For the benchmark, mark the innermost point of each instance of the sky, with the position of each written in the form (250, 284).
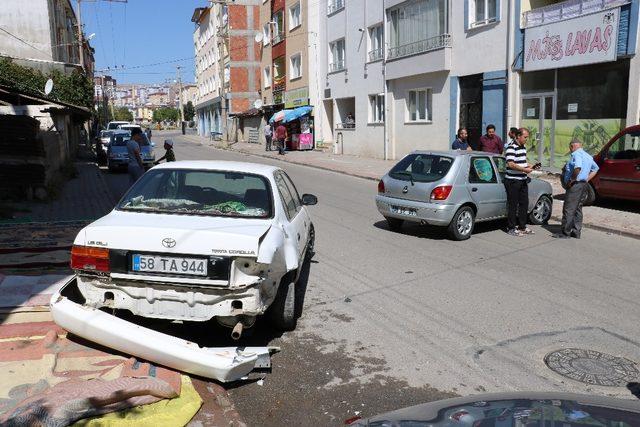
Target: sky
(140, 33)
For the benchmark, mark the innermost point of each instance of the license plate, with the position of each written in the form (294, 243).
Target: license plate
(173, 265)
(404, 211)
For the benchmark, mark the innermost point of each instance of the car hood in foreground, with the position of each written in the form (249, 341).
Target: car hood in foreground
(181, 234)
(529, 408)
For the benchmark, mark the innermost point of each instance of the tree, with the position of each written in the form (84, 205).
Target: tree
(122, 114)
(188, 111)
(166, 114)
(103, 115)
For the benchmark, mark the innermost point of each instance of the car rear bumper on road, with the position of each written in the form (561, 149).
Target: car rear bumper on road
(431, 213)
(223, 364)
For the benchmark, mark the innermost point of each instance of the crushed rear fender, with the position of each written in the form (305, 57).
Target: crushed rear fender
(224, 364)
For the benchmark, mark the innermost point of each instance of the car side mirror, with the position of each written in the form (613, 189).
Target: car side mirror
(309, 200)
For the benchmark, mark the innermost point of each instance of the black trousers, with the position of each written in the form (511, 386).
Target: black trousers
(517, 202)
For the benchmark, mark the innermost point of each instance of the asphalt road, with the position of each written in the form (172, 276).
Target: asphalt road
(393, 319)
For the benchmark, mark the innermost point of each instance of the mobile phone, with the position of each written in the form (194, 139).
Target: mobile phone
(536, 166)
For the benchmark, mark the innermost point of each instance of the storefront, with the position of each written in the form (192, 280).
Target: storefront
(299, 125)
(574, 85)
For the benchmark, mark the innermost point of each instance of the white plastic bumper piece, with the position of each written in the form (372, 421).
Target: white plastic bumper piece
(224, 364)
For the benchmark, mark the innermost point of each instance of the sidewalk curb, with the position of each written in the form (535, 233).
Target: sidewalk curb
(369, 178)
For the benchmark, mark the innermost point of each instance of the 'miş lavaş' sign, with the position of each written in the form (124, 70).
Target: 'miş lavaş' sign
(578, 41)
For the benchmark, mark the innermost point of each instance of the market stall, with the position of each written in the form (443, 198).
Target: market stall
(299, 124)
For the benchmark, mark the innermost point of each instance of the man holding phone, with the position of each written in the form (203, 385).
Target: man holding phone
(516, 184)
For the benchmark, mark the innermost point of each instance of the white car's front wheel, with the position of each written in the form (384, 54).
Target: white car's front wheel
(282, 312)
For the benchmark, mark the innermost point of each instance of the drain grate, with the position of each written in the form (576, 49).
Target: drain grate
(592, 367)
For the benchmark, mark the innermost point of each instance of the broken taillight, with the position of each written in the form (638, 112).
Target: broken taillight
(381, 188)
(441, 192)
(89, 258)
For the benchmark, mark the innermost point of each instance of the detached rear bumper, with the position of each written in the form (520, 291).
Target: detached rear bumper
(224, 364)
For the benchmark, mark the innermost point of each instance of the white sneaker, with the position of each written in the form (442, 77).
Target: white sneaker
(527, 231)
(515, 232)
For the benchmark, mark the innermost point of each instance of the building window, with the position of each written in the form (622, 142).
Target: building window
(376, 108)
(336, 56)
(294, 16)
(267, 77)
(419, 105)
(278, 27)
(482, 12)
(266, 34)
(376, 42)
(334, 6)
(418, 26)
(296, 66)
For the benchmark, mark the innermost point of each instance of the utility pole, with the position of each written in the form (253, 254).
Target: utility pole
(179, 80)
(80, 44)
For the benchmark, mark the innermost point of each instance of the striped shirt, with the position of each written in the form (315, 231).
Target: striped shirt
(517, 155)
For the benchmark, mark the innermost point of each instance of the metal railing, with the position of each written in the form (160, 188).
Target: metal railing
(334, 6)
(277, 38)
(433, 43)
(566, 10)
(376, 54)
(336, 66)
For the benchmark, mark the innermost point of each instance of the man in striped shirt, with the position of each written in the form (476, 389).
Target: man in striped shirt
(516, 185)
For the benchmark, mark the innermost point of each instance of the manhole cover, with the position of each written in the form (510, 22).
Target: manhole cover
(592, 367)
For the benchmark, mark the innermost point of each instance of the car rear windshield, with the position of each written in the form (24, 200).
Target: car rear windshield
(199, 192)
(105, 133)
(121, 139)
(422, 168)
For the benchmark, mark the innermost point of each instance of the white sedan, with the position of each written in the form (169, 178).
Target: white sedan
(196, 240)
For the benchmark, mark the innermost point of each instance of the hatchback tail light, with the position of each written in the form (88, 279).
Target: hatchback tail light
(89, 258)
(441, 192)
(381, 188)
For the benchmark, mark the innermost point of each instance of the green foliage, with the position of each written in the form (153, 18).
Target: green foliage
(122, 114)
(166, 114)
(104, 115)
(74, 88)
(188, 111)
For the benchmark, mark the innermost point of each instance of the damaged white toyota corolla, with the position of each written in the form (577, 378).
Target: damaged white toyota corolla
(198, 240)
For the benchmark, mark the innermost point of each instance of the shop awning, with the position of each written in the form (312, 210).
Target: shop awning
(286, 116)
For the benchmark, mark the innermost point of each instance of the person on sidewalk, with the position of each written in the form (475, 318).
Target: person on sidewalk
(169, 155)
(580, 169)
(491, 143)
(512, 137)
(281, 137)
(268, 137)
(135, 167)
(516, 184)
(461, 143)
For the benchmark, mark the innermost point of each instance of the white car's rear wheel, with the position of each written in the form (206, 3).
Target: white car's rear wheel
(282, 312)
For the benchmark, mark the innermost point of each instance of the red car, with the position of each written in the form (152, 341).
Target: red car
(619, 162)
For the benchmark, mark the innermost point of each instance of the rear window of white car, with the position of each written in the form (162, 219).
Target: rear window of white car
(421, 168)
(198, 192)
(120, 140)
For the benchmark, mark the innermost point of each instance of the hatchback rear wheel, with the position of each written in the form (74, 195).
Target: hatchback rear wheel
(461, 226)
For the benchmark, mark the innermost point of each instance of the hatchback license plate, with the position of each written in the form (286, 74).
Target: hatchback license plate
(404, 211)
(174, 265)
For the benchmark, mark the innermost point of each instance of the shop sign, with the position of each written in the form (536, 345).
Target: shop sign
(585, 40)
(572, 108)
(296, 97)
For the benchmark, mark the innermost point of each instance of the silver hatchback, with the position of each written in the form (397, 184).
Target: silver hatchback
(453, 189)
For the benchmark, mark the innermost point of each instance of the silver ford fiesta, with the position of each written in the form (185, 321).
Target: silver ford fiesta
(453, 189)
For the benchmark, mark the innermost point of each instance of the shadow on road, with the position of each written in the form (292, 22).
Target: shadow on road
(439, 233)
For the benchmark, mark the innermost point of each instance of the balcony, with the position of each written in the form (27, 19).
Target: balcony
(336, 66)
(376, 55)
(566, 10)
(277, 38)
(433, 43)
(335, 6)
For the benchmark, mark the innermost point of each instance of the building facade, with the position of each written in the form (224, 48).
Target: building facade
(401, 75)
(227, 63)
(43, 35)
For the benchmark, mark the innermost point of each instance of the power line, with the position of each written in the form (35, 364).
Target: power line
(23, 41)
(134, 67)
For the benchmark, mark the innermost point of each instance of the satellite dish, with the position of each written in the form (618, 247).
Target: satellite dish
(259, 37)
(257, 104)
(48, 87)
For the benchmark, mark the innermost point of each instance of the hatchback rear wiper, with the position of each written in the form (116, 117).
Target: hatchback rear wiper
(406, 173)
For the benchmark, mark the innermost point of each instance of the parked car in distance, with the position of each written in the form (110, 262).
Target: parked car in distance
(116, 125)
(619, 174)
(118, 156)
(102, 145)
(453, 189)
(196, 240)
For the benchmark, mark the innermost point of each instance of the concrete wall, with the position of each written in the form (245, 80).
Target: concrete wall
(30, 24)
(297, 44)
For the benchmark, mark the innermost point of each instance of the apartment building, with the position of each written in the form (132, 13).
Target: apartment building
(289, 52)
(227, 63)
(401, 75)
